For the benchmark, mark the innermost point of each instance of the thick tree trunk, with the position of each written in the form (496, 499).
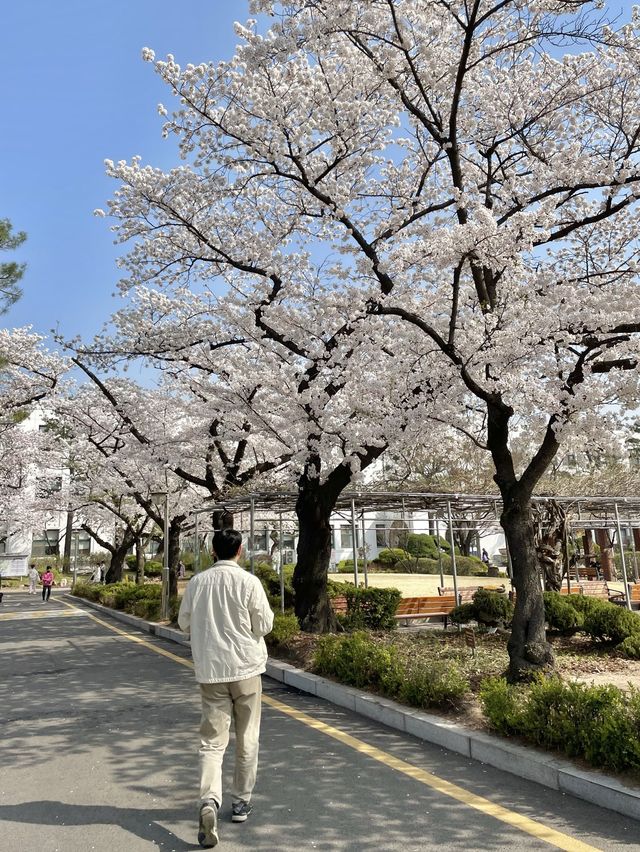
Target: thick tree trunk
(175, 528)
(116, 567)
(312, 606)
(139, 562)
(607, 565)
(529, 651)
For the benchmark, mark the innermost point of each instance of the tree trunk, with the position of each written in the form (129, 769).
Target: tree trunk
(68, 539)
(175, 529)
(139, 562)
(607, 566)
(312, 605)
(222, 520)
(529, 651)
(116, 567)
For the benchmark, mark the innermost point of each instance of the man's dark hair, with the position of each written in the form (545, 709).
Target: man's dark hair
(226, 543)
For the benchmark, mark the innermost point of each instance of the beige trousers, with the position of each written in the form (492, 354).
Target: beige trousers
(221, 702)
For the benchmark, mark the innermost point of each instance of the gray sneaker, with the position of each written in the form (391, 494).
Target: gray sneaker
(208, 825)
(240, 811)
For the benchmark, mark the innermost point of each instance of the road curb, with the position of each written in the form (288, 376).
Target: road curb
(524, 762)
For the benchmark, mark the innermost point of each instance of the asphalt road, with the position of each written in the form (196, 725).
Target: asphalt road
(98, 744)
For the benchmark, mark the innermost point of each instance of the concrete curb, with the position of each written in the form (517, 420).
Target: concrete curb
(527, 763)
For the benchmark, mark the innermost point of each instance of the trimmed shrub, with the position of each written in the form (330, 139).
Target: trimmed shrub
(144, 601)
(432, 683)
(391, 555)
(285, 627)
(463, 614)
(153, 568)
(487, 608)
(610, 623)
(597, 723)
(630, 648)
(359, 661)
(560, 614)
(371, 608)
(421, 544)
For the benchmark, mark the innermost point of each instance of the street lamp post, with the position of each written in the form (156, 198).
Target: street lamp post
(159, 497)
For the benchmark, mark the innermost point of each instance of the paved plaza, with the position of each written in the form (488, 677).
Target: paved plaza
(98, 752)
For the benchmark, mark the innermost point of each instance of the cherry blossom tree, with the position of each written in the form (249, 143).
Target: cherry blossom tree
(460, 178)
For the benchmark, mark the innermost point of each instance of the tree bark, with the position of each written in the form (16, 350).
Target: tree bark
(139, 562)
(529, 651)
(175, 529)
(313, 508)
(607, 565)
(222, 520)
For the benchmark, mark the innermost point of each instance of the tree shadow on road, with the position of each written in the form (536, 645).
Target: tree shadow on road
(143, 823)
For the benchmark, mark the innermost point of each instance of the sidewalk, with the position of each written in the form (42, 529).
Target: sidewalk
(524, 762)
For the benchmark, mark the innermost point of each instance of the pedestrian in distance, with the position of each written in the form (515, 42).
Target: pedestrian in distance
(33, 578)
(47, 583)
(226, 612)
(485, 557)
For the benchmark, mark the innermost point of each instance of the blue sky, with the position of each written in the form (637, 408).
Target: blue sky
(75, 92)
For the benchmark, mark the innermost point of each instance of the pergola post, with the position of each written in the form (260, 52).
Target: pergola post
(453, 552)
(281, 565)
(196, 547)
(354, 541)
(365, 565)
(439, 553)
(622, 559)
(251, 535)
(635, 533)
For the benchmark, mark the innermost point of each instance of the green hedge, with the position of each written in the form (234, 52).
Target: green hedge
(285, 627)
(600, 724)
(144, 601)
(359, 661)
(560, 614)
(371, 608)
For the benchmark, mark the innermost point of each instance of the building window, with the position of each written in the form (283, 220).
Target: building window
(80, 543)
(260, 542)
(381, 535)
(48, 485)
(346, 536)
(46, 543)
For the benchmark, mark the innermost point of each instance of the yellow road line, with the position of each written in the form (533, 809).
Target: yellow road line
(471, 800)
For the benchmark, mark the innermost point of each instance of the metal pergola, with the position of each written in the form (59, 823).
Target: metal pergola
(456, 511)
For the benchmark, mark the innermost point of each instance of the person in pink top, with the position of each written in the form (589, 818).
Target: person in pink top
(47, 583)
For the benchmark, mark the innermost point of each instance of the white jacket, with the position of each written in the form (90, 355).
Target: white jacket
(226, 611)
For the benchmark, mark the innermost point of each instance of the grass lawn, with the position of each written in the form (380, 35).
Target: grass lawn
(416, 585)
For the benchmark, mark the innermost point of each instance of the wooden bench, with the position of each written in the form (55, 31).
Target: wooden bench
(466, 593)
(410, 609)
(598, 589)
(588, 572)
(595, 589)
(634, 595)
(339, 605)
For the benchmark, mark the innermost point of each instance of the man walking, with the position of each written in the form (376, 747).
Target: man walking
(33, 578)
(226, 611)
